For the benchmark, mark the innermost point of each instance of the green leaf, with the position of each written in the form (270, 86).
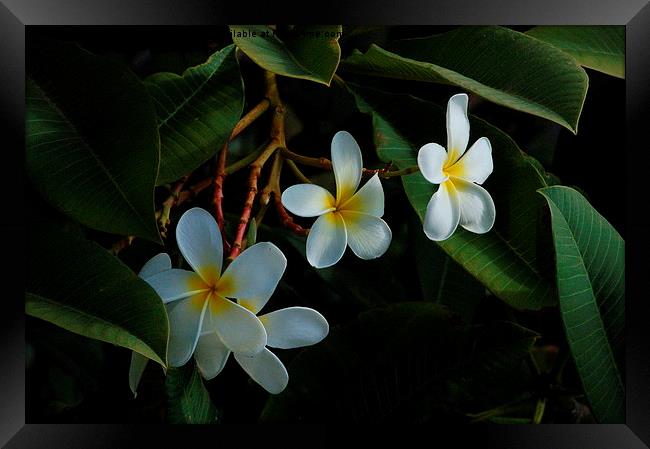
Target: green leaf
(404, 363)
(600, 48)
(307, 52)
(196, 112)
(77, 285)
(514, 260)
(188, 402)
(590, 262)
(92, 144)
(501, 65)
(442, 279)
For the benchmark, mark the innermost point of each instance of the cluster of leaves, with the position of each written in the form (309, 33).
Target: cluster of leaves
(432, 330)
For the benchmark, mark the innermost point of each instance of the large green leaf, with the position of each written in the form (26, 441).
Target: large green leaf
(307, 52)
(92, 144)
(498, 64)
(590, 261)
(188, 402)
(513, 260)
(77, 285)
(404, 363)
(600, 48)
(196, 112)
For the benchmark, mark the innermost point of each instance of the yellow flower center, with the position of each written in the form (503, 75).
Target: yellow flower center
(453, 169)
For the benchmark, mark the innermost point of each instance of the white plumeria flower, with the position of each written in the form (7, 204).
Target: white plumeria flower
(459, 198)
(198, 301)
(288, 328)
(349, 219)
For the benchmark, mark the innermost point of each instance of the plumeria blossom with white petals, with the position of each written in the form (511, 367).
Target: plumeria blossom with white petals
(289, 328)
(459, 199)
(350, 218)
(199, 302)
(258, 271)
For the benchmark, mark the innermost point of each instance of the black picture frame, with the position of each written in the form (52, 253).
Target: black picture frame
(15, 15)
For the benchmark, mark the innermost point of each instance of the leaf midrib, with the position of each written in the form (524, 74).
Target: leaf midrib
(95, 318)
(556, 212)
(465, 80)
(101, 165)
(283, 46)
(189, 72)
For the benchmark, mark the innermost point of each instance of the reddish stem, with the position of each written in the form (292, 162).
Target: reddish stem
(285, 218)
(218, 195)
(256, 170)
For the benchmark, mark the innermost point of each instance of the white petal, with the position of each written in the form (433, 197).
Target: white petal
(368, 200)
(347, 165)
(476, 164)
(199, 240)
(239, 329)
(477, 212)
(185, 320)
(211, 355)
(443, 213)
(327, 240)
(155, 265)
(307, 200)
(265, 369)
(138, 364)
(253, 275)
(431, 159)
(176, 284)
(368, 236)
(457, 126)
(294, 327)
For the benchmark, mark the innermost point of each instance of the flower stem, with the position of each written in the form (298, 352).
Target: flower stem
(256, 170)
(402, 172)
(220, 174)
(217, 198)
(252, 115)
(273, 184)
(171, 201)
(320, 162)
(277, 141)
(285, 218)
(297, 172)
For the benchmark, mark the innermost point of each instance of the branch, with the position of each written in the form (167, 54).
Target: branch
(217, 198)
(324, 163)
(256, 170)
(277, 141)
(250, 117)
(273, 184)
(297, 172)
(220, 175)
(171, 201)
(319, 162)
(285, 218)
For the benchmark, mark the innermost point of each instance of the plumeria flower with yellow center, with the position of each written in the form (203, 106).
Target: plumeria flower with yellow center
(350, 218)
(199, 302)
(459, 199)
(293, 327)
(288, 328)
